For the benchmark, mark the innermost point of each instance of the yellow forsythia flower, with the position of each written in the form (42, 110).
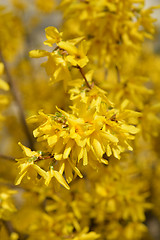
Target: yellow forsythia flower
(64, 55)
(113, 29)
(28, 165)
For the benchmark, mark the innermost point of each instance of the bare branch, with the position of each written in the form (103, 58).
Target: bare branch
(7, 157)
(17, 98)
(118, 75)
(83, 75)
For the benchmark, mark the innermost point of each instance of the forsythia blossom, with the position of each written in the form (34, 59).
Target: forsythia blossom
(28, 163)
(112, 28)
(64, 55)
(89, 135)
(95, 127)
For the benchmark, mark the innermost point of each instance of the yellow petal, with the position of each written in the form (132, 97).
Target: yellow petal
(20, 177)
(70, 48)
(60, 179)
(68, 149)
(61, 167)
(124, 104)
(40, 171)
(52, 140)
(4, 85)
(28, 151)
(68, 172)
(76, 40)
(85, 157)
(109, 136)
(53, 36)
(129, 128)
(109, 151)
(97, 148)
(79, 153)
(59, 146)
(38, 53)
(36, 132)
(49, 176)
(75, 169)
(104, 161)
(58, 156)
(116, 153)
(83, 61)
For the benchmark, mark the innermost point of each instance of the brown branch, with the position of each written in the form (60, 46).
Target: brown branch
(8, 226)
(7, 157)
(83, 75)
(17, 98)
(44, 158)
(118, 75)
(80, 69)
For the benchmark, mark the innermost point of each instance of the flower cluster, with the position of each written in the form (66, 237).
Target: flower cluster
(89, 135)
(116, 195)
(65, 55)
(112, 28)
(91, 169)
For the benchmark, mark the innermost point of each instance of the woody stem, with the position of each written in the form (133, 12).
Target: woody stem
(17, 98)
(7, 157)
(44, 157)
(118, 75)
(84, 77)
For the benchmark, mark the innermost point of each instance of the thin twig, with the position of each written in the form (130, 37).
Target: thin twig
(118, 75)
(8, 226)
(44, 158)
(7, 157)
(17, 98)
(83, 75)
